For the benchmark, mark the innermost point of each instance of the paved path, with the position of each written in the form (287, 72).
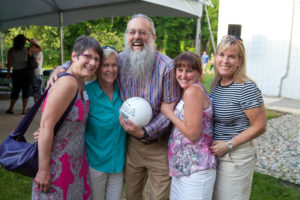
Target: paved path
(283, 105)
(8, 122)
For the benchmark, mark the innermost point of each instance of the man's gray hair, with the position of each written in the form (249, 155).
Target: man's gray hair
(145, 17)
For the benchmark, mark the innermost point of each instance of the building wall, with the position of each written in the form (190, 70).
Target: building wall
(266, 33)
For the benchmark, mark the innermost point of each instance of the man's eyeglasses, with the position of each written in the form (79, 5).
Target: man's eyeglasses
(90, 57)
(109, 47)
(132, 32)
(233, 37)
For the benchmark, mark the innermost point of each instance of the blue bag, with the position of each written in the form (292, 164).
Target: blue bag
(15, 153)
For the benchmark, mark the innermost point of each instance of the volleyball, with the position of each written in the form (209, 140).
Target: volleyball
(137, 110)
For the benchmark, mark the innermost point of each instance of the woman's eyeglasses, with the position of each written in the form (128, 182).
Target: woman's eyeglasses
(90, 57)
(106, 66)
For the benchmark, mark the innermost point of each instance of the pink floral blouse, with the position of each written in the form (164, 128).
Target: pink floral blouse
(185, 156)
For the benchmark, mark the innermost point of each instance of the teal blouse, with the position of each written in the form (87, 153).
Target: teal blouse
(104, 136)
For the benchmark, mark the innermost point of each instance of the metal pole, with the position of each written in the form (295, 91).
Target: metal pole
(289, 52)
(209, 27)
(61, 33)
(1, 44)
(198, 33)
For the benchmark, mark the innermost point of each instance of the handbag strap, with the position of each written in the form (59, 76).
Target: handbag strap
(27, 119)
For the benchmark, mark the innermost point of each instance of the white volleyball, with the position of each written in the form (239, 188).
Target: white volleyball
(137, 110)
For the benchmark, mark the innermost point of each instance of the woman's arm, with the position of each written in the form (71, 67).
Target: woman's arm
(9, 62)
(191, 127)
(59, 98)
(258, 121)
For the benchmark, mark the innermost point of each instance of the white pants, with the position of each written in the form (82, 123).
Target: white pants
(106, 186)
(198, 185)
(235, 172)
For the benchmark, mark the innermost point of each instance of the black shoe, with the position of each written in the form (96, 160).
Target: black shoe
(9, 112)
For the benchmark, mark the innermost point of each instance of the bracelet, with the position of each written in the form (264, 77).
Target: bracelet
(145, 138)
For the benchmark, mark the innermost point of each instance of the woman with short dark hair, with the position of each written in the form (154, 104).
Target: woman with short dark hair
(62, 167)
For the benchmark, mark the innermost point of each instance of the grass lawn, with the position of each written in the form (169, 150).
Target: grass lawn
(14, 186)
(266, 187)
(17, 187)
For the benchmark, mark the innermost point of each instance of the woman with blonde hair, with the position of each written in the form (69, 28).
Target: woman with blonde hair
(239, 117)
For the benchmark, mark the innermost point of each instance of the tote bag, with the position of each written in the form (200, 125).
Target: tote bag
(16, 154)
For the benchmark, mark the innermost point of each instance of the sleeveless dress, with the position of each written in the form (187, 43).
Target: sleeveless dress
(68, 164)
(187, 157)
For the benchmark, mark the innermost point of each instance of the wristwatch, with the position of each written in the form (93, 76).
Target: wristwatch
(145, 138)
(229, 145)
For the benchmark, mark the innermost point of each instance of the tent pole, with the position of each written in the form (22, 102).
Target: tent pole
(61, 32)
(198, 33)
(210, 31)
(1, 44)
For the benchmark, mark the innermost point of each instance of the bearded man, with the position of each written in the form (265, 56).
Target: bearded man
(146, 73)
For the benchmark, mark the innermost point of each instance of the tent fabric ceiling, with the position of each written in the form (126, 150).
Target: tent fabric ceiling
(47, 12)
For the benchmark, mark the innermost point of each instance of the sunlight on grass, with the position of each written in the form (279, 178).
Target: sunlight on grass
(273, 114)
(266, 187)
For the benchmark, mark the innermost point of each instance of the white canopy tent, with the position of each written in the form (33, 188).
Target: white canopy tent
(65, 12)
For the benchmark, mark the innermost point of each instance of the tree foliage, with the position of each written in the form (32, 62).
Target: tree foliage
(174, 34)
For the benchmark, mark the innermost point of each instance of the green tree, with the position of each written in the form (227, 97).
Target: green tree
(174, 34)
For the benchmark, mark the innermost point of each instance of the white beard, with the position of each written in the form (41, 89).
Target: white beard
(138, 64)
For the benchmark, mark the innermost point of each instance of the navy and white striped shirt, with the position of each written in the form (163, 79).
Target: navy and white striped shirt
(229, 102)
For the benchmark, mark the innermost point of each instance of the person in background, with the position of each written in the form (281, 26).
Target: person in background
(17, 58)
(62, 167)
(205, 59)
(212, 61)
(192, 164)
(146, 73)
(38, 82)
(239, 117)
(104, 136)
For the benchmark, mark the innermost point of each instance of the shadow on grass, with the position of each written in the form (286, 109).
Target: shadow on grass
(14, 186)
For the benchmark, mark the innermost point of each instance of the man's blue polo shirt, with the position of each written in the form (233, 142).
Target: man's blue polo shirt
(104, 136)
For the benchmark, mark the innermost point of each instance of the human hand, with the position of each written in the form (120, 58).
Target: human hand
(53, 76)
(167, 108)
(43, 180)
(131, 128)
(219, 148)
(36, 135)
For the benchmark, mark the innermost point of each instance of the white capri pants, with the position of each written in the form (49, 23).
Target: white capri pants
(197, 186)
(235, 173)
(106, 186)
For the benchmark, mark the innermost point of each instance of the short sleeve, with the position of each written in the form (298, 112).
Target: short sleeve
(251, 96)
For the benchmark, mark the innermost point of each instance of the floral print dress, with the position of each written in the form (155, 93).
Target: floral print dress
(185, 156)
(68, 164)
